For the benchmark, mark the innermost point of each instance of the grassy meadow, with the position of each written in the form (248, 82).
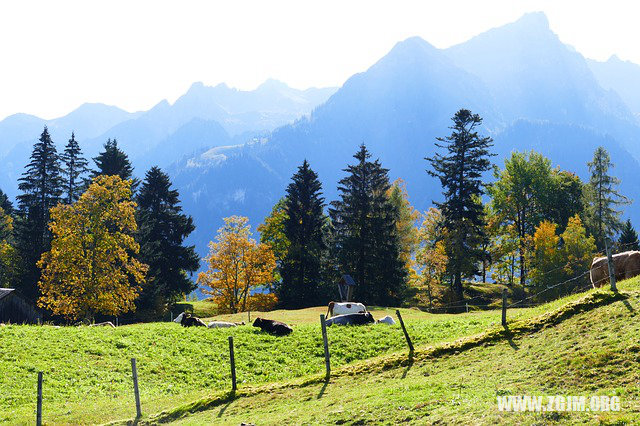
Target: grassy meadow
(87, 372)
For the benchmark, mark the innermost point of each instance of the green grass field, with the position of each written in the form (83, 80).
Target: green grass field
(592, 353)
(87, 370)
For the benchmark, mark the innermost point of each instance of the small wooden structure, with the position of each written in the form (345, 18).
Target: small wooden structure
(345, 287)
(16, 309)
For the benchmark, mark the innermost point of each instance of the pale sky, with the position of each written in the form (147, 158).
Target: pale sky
(56, 55)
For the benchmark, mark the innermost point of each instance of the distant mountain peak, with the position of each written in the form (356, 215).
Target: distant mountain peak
(534, 20)
(272, 84)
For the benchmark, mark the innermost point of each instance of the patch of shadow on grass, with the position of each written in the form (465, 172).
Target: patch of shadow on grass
(409, 365)
(509, 335)
(323, 389)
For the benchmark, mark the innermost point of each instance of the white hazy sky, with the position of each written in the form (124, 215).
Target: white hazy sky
(56, 55)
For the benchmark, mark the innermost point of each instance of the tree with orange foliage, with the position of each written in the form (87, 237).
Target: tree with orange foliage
(559, 258)
(90, 266)
(237, 265)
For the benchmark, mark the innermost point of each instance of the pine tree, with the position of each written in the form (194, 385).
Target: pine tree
(162, 230)
(460, 171)
(113, 161)
(365, 234)
(74, 170)
(628, 238)
(603, 198)
(304, 228)
(41, 187)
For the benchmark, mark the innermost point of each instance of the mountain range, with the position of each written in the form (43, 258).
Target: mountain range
(233, 152)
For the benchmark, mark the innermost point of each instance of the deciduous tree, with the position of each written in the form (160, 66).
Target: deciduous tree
(237, 266)
(91, 263)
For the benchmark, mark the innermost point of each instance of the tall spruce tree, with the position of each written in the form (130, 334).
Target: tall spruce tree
(365, 234)
(41, 189)
(460, 171)
(162, 228)
(74, 170)
(603, 217)
(304, 228)
(628, 238)
(114, 161)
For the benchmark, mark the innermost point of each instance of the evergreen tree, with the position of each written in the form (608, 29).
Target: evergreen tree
(304, 226)
(460, 171)
(365, 233)
(162, 228)
(74, 170)
(113, 161)
(5, 203)
(603, 198)
(628, 238)
(41, 187)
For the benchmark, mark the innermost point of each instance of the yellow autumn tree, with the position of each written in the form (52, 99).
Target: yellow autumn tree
(431, 260)
(90, 268)
(559, 262)
(9, 259)
(238, 265)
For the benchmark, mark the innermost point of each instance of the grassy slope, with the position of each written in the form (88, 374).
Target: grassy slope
(87, 370)
(595, 352)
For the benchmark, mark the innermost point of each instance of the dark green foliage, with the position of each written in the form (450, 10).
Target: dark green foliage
(74, 170)
(304, 229)
(41, 187)
(565, 199)
(366, 242)
(113, 161)
(5, 203)
(628, 238)
(460, 172)
(162, 228)
(603, 218)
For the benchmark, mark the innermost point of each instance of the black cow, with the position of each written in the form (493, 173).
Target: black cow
(190, 321)
(276, 328)
(351, 319)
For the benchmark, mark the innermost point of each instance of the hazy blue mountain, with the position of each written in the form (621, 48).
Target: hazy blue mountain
(233, 152)
(403, 102)
(621, 76)
(532, 74)
(18, 128)
(203, 117)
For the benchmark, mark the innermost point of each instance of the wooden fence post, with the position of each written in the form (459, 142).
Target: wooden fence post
(232, 360)
(327, 363)
(612, 267)
(504, 307)
(134, 371)
(39, 403)
(404, 329)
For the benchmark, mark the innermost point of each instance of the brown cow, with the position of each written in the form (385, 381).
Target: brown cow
(626, 264)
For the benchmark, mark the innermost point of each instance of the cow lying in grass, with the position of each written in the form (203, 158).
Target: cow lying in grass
(276, 328)
(190, 321)
(386, 320)
(221, 324)
(338, 308)
(351, 319)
